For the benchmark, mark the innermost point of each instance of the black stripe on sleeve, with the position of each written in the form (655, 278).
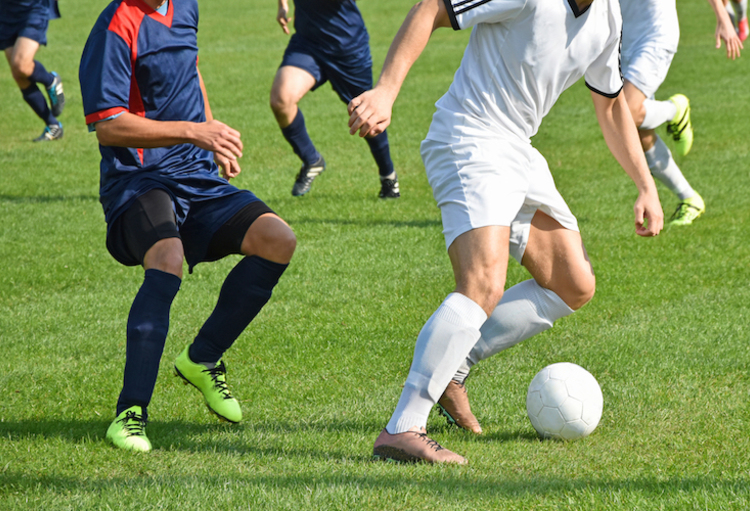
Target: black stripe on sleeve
(476, 4)
(451, 14)
(606, 95)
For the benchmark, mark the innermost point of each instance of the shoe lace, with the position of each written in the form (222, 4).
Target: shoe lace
(683, 210)
(675, 129)
(432, 444)
(134, 424)
(220, 383)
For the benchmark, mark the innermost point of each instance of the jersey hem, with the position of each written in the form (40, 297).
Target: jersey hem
(610, 95)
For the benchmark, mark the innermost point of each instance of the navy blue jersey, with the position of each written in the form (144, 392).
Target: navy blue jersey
(335, 27)
(141, 62)
(13, 10)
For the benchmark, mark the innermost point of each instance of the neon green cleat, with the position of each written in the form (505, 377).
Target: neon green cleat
(688, 210)
(680, 127)
(212, 383)
(128, 431)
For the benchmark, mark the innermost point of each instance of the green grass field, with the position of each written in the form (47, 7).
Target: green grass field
(319, 371)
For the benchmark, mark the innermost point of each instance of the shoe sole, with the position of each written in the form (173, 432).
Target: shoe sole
(394, 455)
(185, 381)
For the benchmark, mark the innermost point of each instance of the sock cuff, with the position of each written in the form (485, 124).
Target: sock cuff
(459, 309)
(162, 284)
(549, 304)
(263, 273)
(31, 89)
(297, 123)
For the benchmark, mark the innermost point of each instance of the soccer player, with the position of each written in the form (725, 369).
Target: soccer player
(650, 35)
(23, 27)
(649, 66)
(164, 200)
(495, 191)
(330, 43)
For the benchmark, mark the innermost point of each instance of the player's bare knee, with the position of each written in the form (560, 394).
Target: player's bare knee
(580, 292)
(284, 245)
(486, 292)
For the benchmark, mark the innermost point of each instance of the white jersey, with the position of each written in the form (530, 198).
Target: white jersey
(521, 56)
(649, 22)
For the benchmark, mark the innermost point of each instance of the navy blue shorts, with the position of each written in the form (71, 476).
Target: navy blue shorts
(206, 233)
(350, 75)
(32, 25)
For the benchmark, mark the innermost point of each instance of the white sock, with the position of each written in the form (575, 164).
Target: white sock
(664, 168)
(740, 8)
(657, 113)
(525, 310)
(730, 11)
(443, 343)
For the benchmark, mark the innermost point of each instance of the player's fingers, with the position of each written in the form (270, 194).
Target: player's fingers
(353, 105)
(232, 170)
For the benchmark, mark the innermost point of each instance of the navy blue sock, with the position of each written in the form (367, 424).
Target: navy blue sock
(36, 100)
(246, 290)
(381, 151)
(148, 324)
(297, 136)
(41, 75)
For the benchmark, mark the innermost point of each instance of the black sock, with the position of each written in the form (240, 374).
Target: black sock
(297, 136)
(246, 290)
(34, 97)
(381, 151)
(41, 75)
(148, 324)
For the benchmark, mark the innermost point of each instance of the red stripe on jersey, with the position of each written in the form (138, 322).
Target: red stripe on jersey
(109, 112)
(127, 24)
(165, 20)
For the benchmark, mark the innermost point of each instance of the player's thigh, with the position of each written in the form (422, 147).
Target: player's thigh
(253, 229)
(480, 260)
(22, 55)
(270, 237)
(556, 258)
(134, 235)
(635, 98)
(290, 85)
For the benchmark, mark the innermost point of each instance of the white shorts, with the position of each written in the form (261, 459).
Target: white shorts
(646, 67)
(491, 181)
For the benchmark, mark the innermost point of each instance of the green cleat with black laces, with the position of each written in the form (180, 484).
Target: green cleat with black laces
(128, 431)
(212, 382)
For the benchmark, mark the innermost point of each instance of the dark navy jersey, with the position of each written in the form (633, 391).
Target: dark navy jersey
(335, 27)
(11, 10)
(138, 61)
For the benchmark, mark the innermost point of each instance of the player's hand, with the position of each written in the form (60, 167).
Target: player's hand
(370, 113)
(223, 141)
(649, 217)
(726, 32)
(227, 168)
(283, 18)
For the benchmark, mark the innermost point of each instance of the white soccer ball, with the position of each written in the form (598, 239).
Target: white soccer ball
(564, 402)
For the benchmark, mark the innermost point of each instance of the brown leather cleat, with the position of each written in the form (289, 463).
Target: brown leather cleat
(454, 405)
(411, 447)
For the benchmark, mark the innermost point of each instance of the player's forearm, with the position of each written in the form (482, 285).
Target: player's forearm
(130, 130)
(409, 43)
(621, 137)
(719, 10)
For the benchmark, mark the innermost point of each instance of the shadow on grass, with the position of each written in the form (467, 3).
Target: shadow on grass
(366, 222)
(214, 438)
(41, 199)
(455, 484)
